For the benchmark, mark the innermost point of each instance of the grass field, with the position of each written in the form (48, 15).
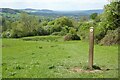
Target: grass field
(51, 57)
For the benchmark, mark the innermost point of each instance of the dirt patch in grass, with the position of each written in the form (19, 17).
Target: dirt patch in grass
(80, 70)
(96, 69)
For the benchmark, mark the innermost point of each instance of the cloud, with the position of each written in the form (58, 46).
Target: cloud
(54, 4)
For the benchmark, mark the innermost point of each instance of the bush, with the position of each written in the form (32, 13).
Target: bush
(62, 33)
(93, 15)
(99, 34)
(111, 37)
(69, 37)
(6, 34)
(84, 30)
(16, 34)
(56, 33)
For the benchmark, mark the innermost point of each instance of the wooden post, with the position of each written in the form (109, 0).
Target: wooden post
(91, 48)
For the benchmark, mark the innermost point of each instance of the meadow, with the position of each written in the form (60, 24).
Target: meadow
(52, 57)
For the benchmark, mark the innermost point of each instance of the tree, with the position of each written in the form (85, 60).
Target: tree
(63, 21)
(110, 20)
(17, 30)
(5, 24)
(29, 24)
(93, 16)
(111, 15)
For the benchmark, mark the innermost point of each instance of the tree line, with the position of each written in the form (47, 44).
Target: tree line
(106, 25)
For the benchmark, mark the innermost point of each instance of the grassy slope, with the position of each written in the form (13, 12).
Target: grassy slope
(51, 59)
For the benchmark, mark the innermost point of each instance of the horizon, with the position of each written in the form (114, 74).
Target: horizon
(51, 10)
(55, 5)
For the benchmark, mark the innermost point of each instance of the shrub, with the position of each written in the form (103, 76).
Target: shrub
(111, 37)
(6, 34)
(62, 33)
(56, 33)
(69, 37)
(84, 30)
(93, 15)
(99, 33)
(75, 37)
(16, 34)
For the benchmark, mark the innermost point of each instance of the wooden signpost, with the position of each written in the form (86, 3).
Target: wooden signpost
(91, 48)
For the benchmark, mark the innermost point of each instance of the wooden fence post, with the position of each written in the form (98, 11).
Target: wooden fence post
(91, 48)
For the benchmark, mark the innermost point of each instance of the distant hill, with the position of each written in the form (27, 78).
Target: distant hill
(8, 10)
(46, 12)
(29, 9)
(36, 10)
(51, 13)
(99, 11)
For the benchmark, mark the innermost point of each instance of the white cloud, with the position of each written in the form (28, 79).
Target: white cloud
(54, 4)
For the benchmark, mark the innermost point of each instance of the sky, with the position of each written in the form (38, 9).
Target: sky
(59, 5)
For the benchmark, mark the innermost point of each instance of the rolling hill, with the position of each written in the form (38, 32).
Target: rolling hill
(46, 12)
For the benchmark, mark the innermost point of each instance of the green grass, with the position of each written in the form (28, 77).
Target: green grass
(0, 59)
(51, 57)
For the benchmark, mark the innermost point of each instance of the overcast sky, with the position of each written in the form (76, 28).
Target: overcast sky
(62, 5)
